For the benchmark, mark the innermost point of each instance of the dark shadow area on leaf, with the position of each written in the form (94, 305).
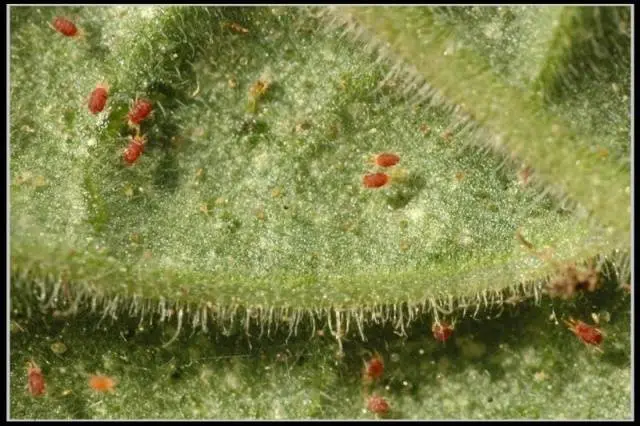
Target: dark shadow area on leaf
(251, 131)
(164, 134)
(76, 406)
(406, 191)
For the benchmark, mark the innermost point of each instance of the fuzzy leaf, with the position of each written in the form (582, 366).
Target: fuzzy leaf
(247, 211)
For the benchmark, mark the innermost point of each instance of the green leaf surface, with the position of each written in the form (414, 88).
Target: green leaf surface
(522, 365)
(228, 202)
(247, 212)
(556, 145)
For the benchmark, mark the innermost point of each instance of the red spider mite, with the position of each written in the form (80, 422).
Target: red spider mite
(135, 149)
(65, 26)
(386, 159)
(588, 334)
(101, 383)
(375, 180)
(98, 98)
(377, 404)
(35, 379)
(139, 111)
(374, 367)
(442, 331)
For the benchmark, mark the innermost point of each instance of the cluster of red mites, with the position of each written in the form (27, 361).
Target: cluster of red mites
(378, 180)
(373, 370)
(140, 109)
(36, 383)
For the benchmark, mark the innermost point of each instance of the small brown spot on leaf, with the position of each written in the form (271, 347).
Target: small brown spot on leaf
(23, 178)
(259, 88)
(524, 175)
(348, 226)
(39, 181)
(302, 126)
(128, 191)
(200, 175)
(177, 140)
(523, 240)
(540, 376)
(603, 152)
(204, 208)
(571, 279)
(236, 28)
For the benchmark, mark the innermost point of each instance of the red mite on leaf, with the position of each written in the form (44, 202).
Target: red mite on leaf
(386, 159)
(374, 368)
(135, 149)
(375, 180)
(101, 383)
(442, 331)
(588, 334)
(35, 379)
(139, 111)
(65, 26)
(377, 404)
(98, 98)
